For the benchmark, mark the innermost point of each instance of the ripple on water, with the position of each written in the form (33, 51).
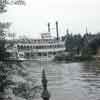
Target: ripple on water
(72, 81)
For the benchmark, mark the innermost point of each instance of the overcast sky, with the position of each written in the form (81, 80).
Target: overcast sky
(75, 15)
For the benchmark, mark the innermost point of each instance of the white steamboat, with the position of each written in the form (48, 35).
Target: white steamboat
(40, 49)
(44, 48)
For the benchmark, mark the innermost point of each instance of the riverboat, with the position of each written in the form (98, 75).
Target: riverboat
(42, 49)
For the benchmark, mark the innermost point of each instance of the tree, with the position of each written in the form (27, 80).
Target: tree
(9, 69)
(3, 9)
(90, 43)
(73, 42)
(95, 43)
(5, 67)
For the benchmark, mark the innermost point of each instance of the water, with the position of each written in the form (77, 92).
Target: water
(69, 81)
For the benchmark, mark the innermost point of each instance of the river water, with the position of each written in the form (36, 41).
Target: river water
(69, 81)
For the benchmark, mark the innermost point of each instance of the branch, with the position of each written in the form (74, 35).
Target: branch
(4, 3)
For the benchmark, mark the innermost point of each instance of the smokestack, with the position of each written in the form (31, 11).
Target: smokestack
(67, 31)
(86, 31)
(49, 27)
(57, 30)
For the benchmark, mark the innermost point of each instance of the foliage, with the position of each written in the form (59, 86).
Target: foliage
(5, 68)
(73, 42)
(86, 44)
(26, 91)
(9, 68)
(4, 3)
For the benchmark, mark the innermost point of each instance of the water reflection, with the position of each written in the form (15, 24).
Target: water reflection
(90, 73)
(92, 67)
(72, 81)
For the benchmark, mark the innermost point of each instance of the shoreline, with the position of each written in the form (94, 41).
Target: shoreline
(74, 58)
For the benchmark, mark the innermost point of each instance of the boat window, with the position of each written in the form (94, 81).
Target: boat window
(33, 47)
(21, 47)
(50, 46)
(34, 41)
(37, 47)
(18, 46)
(55, 46)
(38, 41)
(27, 47)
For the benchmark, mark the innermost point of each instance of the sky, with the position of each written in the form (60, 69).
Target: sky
(32, 19)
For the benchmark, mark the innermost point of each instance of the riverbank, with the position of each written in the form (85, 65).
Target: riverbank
(73, 58)
(21, 84)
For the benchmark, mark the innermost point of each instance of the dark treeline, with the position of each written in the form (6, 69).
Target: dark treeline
(86, 44)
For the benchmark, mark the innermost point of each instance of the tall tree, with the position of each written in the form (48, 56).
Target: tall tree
(3, 26)
(5, 68)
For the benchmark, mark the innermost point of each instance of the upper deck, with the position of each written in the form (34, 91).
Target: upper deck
(44, 44)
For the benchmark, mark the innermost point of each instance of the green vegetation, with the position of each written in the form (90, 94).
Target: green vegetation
(14, 81)
(80, 47)
(86, 44)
